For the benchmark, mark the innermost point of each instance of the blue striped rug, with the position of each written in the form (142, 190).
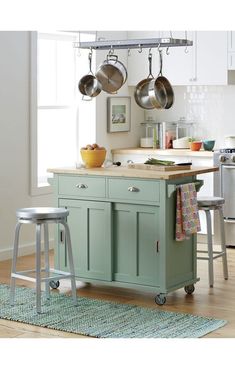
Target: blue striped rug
(102, 319)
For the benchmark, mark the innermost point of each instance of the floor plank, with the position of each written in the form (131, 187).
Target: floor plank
(218, 302)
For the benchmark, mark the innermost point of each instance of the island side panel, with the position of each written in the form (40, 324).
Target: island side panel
(179, 266)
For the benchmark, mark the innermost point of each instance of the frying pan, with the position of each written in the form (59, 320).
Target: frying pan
(160, 91)
(141, 93)
(88, 84)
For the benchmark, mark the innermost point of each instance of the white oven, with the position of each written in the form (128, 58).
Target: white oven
(224, 186)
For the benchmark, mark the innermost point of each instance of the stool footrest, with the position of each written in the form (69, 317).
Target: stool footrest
(216, 254)
(58, 274)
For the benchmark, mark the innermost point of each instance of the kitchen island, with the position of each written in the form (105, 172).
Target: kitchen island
(122, 224)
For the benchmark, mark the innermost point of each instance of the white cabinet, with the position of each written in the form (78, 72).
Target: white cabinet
(204, 63)
(179, 65)
(211, 58)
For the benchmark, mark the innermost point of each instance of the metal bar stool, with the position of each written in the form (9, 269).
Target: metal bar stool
(207, 204)
(41, 217)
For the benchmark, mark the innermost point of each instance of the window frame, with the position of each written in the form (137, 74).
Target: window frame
(36, 190)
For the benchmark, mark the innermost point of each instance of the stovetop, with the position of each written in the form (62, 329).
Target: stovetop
(227, 151)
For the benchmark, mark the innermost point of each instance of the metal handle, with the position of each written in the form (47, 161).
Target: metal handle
(157, 245)
(81, 185)
(133, 189)
(62, 236)
(229, 166)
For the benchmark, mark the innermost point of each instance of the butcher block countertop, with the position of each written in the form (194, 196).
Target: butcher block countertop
(169, 152)
(134, 173)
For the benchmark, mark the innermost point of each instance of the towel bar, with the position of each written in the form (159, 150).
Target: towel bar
(172, 187)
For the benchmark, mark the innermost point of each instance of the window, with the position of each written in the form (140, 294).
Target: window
(56, 106)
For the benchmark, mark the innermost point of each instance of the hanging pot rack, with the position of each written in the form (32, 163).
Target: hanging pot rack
(133, 44)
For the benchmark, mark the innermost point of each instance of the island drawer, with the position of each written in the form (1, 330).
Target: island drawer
(134, 189)
(82, 186)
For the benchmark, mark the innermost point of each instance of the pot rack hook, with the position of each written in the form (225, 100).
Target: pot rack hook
(186, 38)
(111, 50)
(140, 49)
(150, 51)
(167, 49)
(158, 48)
(129, 52)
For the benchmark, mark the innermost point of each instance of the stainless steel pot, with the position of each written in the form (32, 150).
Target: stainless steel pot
(112, 74)
(88, 84)
(141, 93)
(160, 91)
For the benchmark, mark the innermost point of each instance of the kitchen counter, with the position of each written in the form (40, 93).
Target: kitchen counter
(169, 152)
(134, 173)
(122, 225)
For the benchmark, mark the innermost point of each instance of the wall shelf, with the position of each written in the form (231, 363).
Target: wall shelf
(133, 43)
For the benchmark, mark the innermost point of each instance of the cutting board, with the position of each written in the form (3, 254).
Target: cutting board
(165, 168)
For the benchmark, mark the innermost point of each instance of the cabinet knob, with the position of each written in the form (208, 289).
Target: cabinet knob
(133, 189)
(81, 185)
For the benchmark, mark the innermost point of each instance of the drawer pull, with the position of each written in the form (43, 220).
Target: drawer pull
(81, 185)
(133, 189)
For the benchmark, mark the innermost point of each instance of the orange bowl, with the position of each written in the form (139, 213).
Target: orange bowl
(195, 145)
(93, 158)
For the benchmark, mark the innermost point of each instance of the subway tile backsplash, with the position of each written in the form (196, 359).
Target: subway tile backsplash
(211, 107)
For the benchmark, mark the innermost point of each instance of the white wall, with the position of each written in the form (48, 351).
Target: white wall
(117, 139)
(14, 139)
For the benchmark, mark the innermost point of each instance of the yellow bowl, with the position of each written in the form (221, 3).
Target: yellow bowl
(93, 158)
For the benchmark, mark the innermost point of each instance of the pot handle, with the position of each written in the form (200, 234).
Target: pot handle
(112, 57)
(90, 58)
(150, 65)
(160, 56)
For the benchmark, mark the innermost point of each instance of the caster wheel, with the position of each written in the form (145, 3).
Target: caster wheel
(189, 289)
(54, 284)
(160, 299)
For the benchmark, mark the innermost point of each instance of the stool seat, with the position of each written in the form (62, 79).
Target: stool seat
(209, 201)
(42, 213)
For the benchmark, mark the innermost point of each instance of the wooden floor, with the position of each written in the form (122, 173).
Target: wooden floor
(218, 302)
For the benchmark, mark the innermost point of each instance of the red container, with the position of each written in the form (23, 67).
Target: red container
(195, 145)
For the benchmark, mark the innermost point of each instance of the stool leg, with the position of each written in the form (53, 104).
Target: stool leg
(223, 244)
(14, 261)
(210, 248)
(47, 263)
(71, 264)
(38, 268)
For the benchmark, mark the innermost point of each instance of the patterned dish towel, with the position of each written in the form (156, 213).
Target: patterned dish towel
(187, 217)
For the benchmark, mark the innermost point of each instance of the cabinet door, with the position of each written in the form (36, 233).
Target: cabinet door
(179, 65)
(205, 63)
(135, 244)
(211, 58)
(90, 228)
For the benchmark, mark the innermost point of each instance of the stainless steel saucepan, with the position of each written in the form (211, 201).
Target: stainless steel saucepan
(160, 91)
(141, 93)
(112, 74)
(89, 84)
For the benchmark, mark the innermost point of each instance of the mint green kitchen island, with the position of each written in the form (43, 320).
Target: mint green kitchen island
(122, 224)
